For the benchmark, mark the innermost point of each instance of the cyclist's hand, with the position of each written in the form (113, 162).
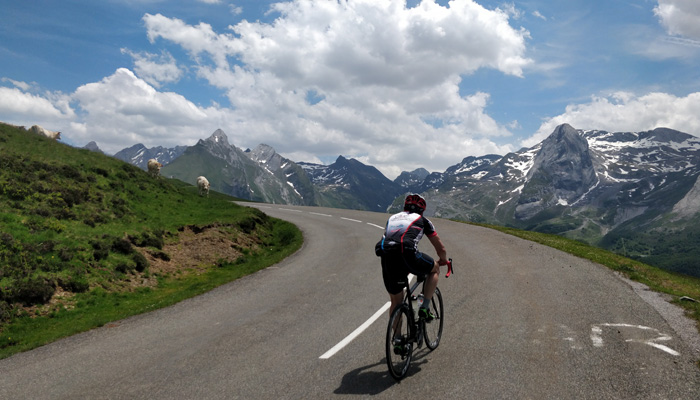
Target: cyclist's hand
(442, 262)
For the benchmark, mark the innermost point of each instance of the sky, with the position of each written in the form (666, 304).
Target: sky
(396, 84)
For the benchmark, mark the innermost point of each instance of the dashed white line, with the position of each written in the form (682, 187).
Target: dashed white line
(323, 215)
(350, 219)
(375, 225)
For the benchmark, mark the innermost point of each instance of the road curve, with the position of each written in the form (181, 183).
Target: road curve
(522, 321)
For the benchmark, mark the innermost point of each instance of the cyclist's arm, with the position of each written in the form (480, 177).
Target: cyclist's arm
(439, 248)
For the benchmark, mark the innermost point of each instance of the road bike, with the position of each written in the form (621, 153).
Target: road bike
(406, 329)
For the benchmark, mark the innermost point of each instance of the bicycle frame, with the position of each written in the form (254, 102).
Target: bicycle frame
(414, 325)
(400, 338)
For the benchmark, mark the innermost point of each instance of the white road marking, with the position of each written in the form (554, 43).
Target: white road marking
(323, 215)
(350, 219)
(355, 333)
(360, 329)
(380, 227)
(289, 209)
(597, 338)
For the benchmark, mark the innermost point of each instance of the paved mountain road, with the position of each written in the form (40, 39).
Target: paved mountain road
(522, 321)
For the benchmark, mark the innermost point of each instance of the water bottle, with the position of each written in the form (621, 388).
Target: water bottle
(416, 302)
(415, 305)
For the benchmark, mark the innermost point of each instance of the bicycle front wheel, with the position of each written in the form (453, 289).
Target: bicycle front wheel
(399, 348)
(433, 329)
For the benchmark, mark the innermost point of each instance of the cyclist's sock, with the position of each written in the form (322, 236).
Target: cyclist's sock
(426, 304)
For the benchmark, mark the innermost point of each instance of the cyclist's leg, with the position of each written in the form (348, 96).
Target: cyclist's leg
(395, 279)
(431, 281)
(423, 264)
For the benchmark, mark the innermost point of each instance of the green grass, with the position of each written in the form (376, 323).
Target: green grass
(80, 222)
(99, 307)
(657, 279)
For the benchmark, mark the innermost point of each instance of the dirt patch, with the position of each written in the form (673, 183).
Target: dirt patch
(197, 249)
(190, 250)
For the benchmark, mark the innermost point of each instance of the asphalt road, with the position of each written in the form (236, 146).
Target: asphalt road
(522, 321)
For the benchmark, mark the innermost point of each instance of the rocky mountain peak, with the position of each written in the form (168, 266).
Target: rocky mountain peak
(561, 173)
(219, 137)
(92, 146)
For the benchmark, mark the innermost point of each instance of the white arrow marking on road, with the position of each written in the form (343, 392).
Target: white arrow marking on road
(597, 337)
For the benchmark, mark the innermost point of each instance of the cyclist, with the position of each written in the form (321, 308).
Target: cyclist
(398, 250)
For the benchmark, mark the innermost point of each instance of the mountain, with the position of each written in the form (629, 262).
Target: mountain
(286, 171)
(348, 183)
(262, 174)
(92, 146)
(412, 181)
(230, 170)
(632, 192)
(636, 193)
(139, 155)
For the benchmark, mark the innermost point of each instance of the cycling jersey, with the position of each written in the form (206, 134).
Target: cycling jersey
(403, 232)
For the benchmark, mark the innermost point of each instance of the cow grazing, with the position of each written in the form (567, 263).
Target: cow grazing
(154, 167)
(203, 186)
(42, 131)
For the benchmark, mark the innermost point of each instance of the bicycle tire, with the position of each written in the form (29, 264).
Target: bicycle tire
(399, 360)
(432, 331)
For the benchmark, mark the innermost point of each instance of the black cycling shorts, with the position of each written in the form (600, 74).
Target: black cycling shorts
(397, 266)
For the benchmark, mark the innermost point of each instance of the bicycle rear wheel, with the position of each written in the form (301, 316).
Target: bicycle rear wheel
(433, 330)
(399, 348)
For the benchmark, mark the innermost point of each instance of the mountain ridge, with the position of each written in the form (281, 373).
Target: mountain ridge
(611, 189)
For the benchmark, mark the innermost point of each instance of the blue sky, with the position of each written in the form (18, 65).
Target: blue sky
(395, 84)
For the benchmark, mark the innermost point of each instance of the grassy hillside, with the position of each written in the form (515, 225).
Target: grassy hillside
(86, 239)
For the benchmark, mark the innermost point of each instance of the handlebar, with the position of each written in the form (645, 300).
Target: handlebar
(450, 269)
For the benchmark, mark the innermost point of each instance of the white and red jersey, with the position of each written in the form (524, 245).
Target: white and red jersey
(403, 232)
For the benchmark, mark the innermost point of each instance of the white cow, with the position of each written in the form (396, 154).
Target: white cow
(154, 167)
(49, 134)
(203, 185)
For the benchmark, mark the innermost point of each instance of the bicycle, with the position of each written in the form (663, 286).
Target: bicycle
(406, 328)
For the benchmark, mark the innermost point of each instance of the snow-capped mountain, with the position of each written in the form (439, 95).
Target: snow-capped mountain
(139, 154)
(412, 181)
(619, 190)
(636, 193)
(230, 170)
(286, 171)
(348, 183)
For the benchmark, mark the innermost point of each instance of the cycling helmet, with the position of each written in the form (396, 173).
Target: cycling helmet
(414, 203)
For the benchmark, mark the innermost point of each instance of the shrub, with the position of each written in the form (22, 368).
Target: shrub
(76, 284)
(100, 249)
(122, 246)
(33, 290)
(148, 239)
(161, 254)
(124, 266)
(141, 261)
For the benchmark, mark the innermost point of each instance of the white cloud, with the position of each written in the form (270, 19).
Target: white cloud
(19, 84)
(50, 109)
(539, 15)
(122, 110)
(235, 10)
(680, 17)
(385, 78)
(155, 69)
(625, 112)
